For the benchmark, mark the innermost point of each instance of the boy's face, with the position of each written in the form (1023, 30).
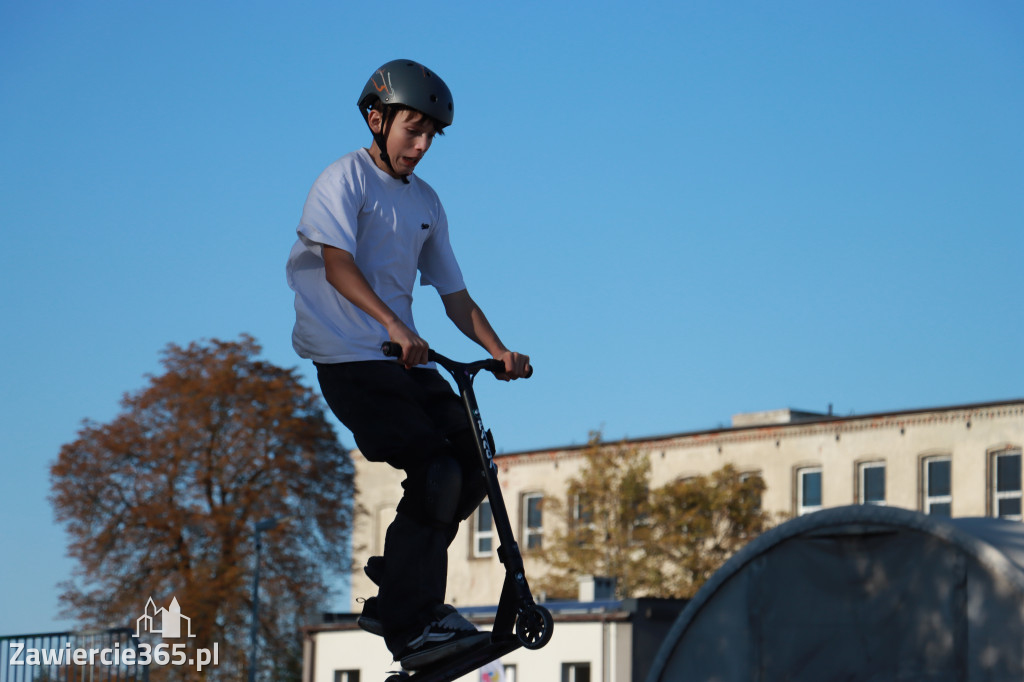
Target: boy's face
(408, 139)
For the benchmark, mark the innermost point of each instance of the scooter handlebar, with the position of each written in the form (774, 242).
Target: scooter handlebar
(391, 349)
(394, 350)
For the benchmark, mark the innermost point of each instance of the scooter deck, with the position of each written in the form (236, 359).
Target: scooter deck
(456, 666)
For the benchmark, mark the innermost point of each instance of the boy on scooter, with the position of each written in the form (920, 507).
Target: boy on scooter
(369, 223)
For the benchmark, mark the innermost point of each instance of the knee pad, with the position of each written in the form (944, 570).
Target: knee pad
(474, 490)
(432, 491)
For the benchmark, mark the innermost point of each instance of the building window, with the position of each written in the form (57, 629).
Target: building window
(483, 531)
(746, 476)
(938, 486)
(1006, 484)
(575, 672)
(533, 528)
(346, 676)
(872, 483)
(496, 672)
(582, 512)
(808, 482)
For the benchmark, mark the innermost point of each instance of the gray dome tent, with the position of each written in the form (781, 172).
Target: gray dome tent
(859, 594)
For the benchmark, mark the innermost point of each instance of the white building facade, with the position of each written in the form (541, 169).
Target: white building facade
(599, 640)
(953, 461)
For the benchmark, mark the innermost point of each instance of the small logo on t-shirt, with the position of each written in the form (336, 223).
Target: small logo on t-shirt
(424, 226)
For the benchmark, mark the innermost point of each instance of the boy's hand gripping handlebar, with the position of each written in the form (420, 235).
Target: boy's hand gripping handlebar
(394, 350)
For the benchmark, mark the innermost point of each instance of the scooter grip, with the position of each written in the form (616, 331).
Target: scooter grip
(391, 349)
(497, 366)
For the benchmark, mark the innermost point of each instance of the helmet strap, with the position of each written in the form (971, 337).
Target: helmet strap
(381, 138)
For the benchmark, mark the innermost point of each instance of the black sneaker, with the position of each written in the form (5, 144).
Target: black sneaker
(448, 635)
(369, 620)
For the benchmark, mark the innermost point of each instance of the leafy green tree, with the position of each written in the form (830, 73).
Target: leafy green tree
(603, 529)
(698, 523)
(660, 542)
(162, 502)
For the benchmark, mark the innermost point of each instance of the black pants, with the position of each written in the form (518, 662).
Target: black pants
(414, 421)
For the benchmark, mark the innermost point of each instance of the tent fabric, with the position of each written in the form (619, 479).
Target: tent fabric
(860, 593)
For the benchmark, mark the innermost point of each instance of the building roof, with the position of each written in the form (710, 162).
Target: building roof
(561, 611)
(773, 420)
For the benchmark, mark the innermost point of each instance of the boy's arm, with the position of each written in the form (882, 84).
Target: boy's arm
(467, 316)
(345, 276)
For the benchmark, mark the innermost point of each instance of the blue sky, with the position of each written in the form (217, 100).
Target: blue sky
(679, 210)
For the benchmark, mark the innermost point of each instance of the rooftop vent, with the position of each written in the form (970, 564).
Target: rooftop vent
(772, 417)
(596, 588)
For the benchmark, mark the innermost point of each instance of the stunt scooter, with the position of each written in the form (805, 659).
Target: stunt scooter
(517, 610)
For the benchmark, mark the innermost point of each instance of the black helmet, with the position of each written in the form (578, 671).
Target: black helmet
(411, 84)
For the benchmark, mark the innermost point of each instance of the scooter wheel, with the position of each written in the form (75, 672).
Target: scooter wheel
(534, 626)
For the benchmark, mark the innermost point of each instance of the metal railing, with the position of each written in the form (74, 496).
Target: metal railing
(93, 656)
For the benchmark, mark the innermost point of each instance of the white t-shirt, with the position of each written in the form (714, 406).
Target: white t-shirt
(392, 229)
